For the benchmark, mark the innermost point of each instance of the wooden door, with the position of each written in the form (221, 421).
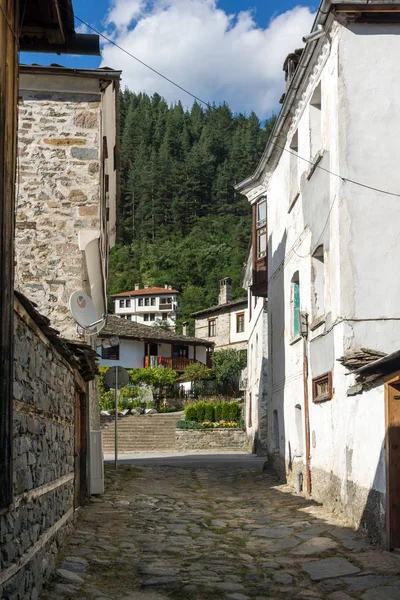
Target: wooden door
(80, 449)
(392, 401)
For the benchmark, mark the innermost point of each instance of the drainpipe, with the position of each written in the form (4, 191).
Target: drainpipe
(304, 333)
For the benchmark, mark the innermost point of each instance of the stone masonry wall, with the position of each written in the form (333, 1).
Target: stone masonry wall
(214, 439)
(58, 195)
(223, 331)
(36, 524)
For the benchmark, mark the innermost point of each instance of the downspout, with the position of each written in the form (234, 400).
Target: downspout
(306, 417)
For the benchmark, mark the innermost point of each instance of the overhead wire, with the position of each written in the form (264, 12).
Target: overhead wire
(270, 141)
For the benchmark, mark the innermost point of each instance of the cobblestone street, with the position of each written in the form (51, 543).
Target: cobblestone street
(226, 531)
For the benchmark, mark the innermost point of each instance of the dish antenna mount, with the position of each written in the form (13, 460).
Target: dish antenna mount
(84, 312)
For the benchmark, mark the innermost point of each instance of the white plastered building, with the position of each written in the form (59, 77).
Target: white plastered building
(332, 249)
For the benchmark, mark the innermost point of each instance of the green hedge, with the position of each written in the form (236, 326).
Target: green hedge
(187, 425)
(213, 412)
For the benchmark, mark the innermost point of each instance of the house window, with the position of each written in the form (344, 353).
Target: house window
(146, 317)
(295, 305)
(212, 327)
(140, 301)
(261, 228)
(153, 301)
(322, 387)
(249, 414)
(128, 303)
(147, 301)
(315, 121)
(164, 316)
(152, 317)
(110, 353)
(318, 283)
(121, 303)
(239, 322)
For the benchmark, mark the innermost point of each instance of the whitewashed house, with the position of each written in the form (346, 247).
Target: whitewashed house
(256, 375)
(150, 305)
(326, 252)
(143, 346)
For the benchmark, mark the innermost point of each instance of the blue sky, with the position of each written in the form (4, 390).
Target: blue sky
(221, 50)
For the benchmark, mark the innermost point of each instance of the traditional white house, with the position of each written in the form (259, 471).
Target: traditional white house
(141, 346)
(150, 305)
(226, 323)
(326, 204)
(256, 376)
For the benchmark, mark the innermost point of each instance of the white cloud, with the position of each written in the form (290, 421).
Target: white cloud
(214, 55)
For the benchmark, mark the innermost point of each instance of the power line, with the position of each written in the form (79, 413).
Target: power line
(316, 165)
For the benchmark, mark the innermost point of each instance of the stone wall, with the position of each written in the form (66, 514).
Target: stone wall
(34, 527)
(212, 439)
(58, 195)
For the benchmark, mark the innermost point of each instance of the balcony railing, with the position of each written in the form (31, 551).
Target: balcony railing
(178, 364)
(165, 306)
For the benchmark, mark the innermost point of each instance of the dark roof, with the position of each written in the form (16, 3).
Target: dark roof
(220, 307)
(55, 69)
(145, 292)
(136, 331)
(78, 354)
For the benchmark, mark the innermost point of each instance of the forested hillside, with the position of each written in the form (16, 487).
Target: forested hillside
(181, 221)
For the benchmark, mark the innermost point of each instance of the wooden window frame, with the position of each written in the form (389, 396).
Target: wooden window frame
(326, 377)
(106, 352)
(146, 317)
(140, 302)
(147, 301)
(214, 321)
(152, 302)
(122, 303)
(241, 317)
(128, 303)
(259, 286)
(261, 229)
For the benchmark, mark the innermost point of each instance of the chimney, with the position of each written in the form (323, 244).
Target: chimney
(137, 286)
(225, 290)
(170, 287)
(166, 286)
(146, 287)
(185, 328)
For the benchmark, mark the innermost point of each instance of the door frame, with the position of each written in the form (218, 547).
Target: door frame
(391, 381)
(80, 449)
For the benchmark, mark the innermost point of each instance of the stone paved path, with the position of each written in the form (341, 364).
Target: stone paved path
(163, 532)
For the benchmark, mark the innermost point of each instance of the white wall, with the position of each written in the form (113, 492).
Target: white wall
(131, 355)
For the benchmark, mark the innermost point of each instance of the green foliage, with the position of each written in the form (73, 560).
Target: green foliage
(197, 372)
(218, 412)
(187, 425)
(107, 400)
(178, 169)
(101, 380)
(209, 412)
(156, 376)
(167, 409)
(190, 412)
(213, 412)
(227, 364)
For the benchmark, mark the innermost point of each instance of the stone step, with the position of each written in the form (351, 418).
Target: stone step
(140, 433)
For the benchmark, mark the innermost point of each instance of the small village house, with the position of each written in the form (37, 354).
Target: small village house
(44, 378)
(142, 346)
(256, 375)
(325, 207)
(149, 306)
(226, 323)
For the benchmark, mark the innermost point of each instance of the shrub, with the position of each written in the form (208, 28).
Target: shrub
(218, 412)
(235, 411)
(167, 409)
(196, 372)
(209, 412)
(200, 411)
(190, 412)
(226, 410)
(188, 425)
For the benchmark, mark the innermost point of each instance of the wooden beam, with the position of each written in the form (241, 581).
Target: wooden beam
(367, 8)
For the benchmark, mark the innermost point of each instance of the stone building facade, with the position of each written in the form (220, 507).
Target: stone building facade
(226, 323)
(45, 480)
(67, 187)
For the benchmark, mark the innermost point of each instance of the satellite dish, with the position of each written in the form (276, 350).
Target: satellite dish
(83, 310)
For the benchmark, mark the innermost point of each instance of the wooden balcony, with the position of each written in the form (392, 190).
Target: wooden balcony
(165, 306)
(178, 364)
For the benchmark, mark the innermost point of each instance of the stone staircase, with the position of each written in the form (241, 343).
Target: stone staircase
(141, 433)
